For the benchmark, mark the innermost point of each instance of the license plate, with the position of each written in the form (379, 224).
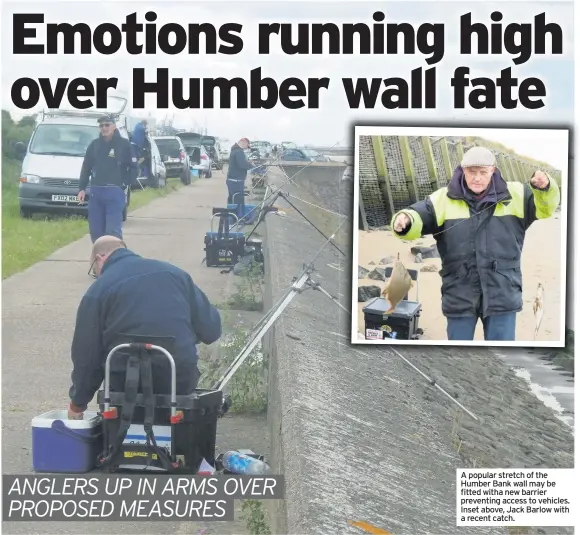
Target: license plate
(173, 160)
(65, 198)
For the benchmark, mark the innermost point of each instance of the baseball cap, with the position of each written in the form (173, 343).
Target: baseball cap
(107, 118)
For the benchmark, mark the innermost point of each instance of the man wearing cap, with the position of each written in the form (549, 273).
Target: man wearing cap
(238, 167)
(112, 166)
(137, 296)
(479, 222)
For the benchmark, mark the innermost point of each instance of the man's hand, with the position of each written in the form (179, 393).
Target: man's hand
(74, 413)
(81, 196)
(402, 221)
(540, 180)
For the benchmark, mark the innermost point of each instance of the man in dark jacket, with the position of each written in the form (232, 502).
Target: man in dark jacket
(113, 165)
(135, 295)
(238, 167)
(479, 222)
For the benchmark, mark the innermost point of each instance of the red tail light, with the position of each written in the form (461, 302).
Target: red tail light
(203, 157)
(182, 156)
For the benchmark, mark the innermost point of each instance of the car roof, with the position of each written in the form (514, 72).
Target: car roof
(167, 137)
(74, 121)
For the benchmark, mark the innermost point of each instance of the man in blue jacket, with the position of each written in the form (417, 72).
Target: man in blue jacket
(238, 167)
(137, 296)
(112, 166)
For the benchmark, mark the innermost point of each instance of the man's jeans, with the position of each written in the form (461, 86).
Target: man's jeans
(106, 205)
(495, 328)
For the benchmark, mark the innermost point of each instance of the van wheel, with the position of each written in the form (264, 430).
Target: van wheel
(186, 178)
(25, 213)
(208, 174)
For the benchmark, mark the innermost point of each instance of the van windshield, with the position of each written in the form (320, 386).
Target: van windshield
(63, 139)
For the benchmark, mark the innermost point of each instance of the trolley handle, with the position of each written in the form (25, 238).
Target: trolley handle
(220, 214)
(147, 347)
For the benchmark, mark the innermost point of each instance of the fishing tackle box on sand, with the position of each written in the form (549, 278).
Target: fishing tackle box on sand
(401, 324)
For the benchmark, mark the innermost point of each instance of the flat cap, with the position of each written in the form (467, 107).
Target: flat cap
(478, 157)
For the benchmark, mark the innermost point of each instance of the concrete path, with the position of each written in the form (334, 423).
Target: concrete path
(39, 309)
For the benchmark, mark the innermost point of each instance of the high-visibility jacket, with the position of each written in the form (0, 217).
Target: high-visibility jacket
(480, 241)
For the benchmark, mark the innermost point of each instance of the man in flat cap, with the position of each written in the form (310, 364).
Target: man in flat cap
(112, 166)
(479, 222)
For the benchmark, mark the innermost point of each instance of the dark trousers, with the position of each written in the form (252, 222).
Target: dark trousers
(500, 328)
(236, 196)
(106, 205)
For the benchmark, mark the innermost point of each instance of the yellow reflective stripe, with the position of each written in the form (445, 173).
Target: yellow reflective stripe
(446, 208)
(516, 206)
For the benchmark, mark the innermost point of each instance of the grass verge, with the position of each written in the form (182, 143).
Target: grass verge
(28, 241)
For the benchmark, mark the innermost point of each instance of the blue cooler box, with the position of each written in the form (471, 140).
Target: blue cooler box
(247, 209)
(60, 445)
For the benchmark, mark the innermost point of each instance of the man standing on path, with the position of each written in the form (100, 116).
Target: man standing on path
(139, 140)
(112, 163)
(479, 222)
(238, 167)
(137, 296)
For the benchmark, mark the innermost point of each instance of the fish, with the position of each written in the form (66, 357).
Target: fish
(538, 308)
(397, 286)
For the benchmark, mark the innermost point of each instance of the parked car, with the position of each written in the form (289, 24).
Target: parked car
(304, 155)
(175, 157)
(201, 161)
(152, 171)
(225, 148)
(264, 148)
(285, 145)
(52, 160)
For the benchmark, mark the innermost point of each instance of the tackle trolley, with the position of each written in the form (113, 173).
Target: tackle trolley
(401, 324)
(224, 247)
(147, 431)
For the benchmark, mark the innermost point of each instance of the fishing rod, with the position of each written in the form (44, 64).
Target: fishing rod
(431, 381)
(273, 314)
(285, 183)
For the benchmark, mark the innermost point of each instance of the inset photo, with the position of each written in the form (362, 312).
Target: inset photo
(461, 237)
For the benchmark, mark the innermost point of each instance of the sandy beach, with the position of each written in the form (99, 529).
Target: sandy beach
(541, 262)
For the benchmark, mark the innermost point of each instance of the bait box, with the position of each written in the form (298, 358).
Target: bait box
(402, 324)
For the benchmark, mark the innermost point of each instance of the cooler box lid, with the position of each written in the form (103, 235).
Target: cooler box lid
(379, 305)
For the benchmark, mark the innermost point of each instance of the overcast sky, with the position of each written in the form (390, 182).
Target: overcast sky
(332, 123)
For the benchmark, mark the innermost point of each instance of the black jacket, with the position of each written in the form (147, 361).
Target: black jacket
(480, 241)
(238, 165)
(109, 162)
(136, 295)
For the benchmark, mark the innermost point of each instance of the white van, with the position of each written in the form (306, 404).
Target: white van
(51, 164)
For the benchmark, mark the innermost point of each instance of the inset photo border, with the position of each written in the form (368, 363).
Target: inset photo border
(461, 238)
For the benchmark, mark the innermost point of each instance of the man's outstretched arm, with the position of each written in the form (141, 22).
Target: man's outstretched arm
(87, 355)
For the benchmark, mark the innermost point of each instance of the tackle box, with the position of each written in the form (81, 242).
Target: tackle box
(401, 324)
